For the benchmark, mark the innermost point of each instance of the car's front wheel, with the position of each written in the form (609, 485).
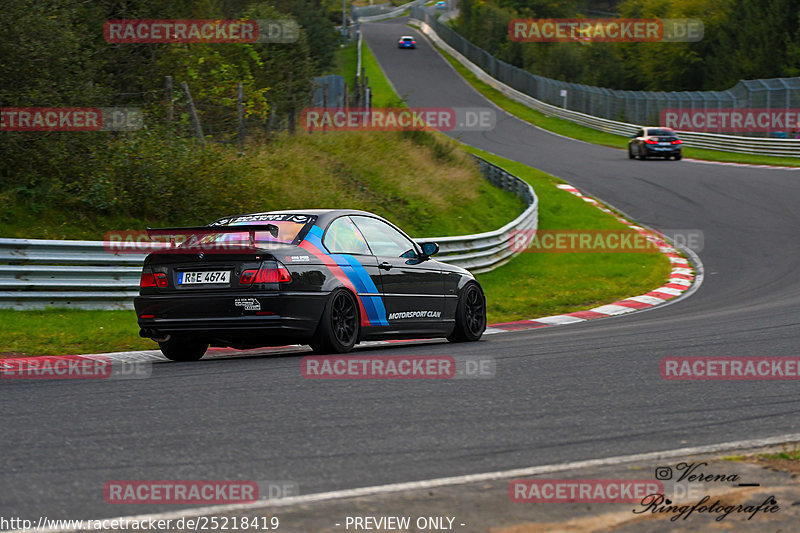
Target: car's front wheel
(338, 328)
(470, 315)
(630, 153)
(183, 349)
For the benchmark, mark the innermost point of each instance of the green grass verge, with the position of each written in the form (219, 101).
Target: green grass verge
(69, 331)
(383, 94)
(345, 61)
(786, 455)
(543, 284)
(576, 131)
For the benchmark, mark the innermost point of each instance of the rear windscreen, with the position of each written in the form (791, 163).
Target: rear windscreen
(289, 226)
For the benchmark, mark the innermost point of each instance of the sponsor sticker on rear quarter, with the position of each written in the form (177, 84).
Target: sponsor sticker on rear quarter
(249, 304)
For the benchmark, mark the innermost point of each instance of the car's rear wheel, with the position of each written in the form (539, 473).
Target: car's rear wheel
(678, 157)
(642, 153)
(630, 153)
(183, 349)
(338, 329)
(470, 315)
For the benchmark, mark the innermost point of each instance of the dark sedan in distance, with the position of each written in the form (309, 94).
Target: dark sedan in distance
(655, 142)
(323, 277)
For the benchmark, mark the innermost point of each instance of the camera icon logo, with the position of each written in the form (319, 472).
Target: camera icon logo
(663, 473)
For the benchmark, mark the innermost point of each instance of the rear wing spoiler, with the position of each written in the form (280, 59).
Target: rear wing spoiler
(202, 231)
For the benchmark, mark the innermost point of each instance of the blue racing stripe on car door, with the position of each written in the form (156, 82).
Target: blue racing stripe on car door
(314, 236)
(358, 276)
(352, 274)
(369, 287)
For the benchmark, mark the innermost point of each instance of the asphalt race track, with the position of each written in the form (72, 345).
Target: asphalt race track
(584, 391)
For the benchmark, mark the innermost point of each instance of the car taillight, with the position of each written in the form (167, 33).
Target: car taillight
(677, 141)
(413, 42)
(650, 141)
(247, 277)
(270, 272)
(150, 279)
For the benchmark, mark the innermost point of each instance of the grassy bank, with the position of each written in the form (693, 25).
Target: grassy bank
(427, 189)
(542, 284)
(69, 331)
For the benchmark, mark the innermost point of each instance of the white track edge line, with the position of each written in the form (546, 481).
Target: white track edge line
(461, 480)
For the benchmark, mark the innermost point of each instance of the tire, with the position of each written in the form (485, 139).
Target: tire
(183, 349)
(339, 326)
(470, 315)
(642, 154)
(630, 153)
(678, 157)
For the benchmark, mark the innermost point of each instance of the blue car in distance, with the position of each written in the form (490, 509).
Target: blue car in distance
(406, 41)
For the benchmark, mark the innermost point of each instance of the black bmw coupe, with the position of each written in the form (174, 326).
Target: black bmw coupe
(322, 277)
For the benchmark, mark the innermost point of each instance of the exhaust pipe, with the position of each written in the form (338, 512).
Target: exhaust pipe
(155, 335)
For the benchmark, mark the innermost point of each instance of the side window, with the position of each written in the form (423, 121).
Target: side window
(383, 239)
(342, 237)
(640, 133)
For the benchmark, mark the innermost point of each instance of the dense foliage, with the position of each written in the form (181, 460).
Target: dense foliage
(743, 39)
(53, 54)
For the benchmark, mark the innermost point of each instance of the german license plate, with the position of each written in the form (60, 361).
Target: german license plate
(209, 277)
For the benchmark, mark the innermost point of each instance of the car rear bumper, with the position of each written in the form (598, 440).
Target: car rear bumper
(663, 150)
(231, 317)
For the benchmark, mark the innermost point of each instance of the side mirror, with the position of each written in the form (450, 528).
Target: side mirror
(429, 248)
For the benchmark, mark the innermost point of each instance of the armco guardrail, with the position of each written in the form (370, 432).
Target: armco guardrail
(486, 251)
(396, 12)
(713, 141)
(35, 274)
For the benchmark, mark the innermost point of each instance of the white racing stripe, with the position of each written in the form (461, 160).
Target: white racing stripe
(668, 290)
(558, 319)
(458, 480)
(612, 309)
(652, 300)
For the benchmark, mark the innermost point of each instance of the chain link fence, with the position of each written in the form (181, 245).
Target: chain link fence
(637, 107)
